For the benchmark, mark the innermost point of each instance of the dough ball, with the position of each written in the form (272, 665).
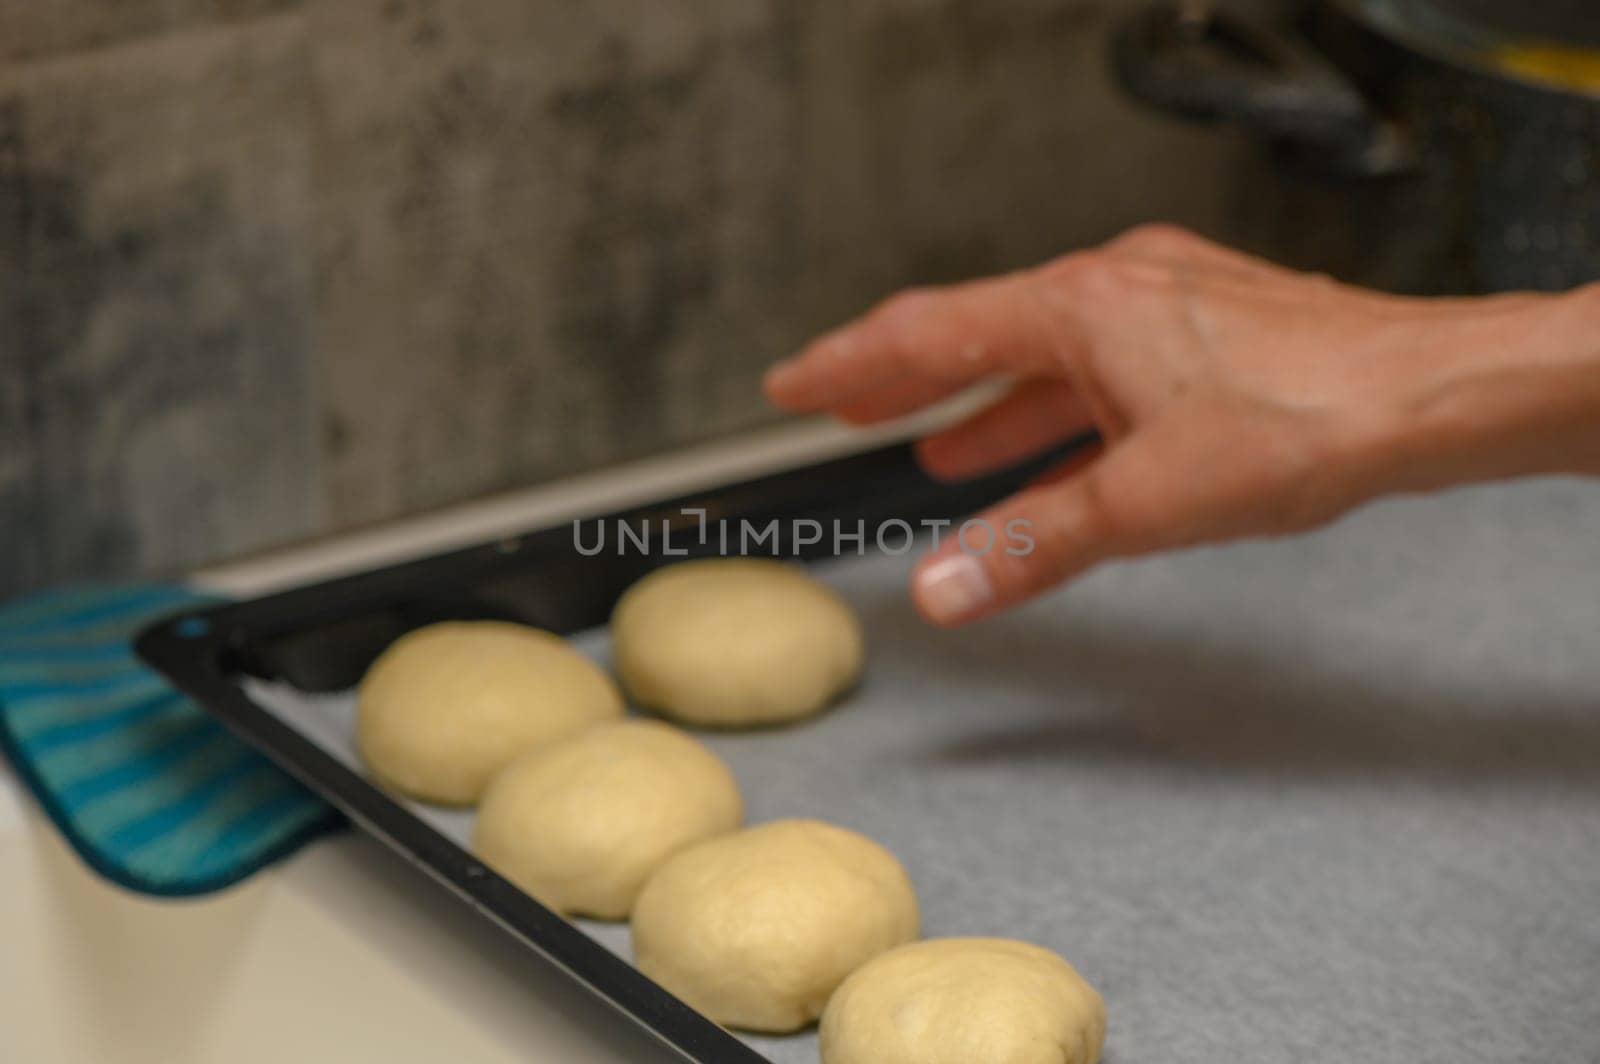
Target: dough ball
(959, 1000)
(731, 642)
(757, 928)
(447, 706)
(580, 824)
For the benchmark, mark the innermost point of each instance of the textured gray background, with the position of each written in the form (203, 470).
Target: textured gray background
(273, 268)
(270, 268)
(1326, 799)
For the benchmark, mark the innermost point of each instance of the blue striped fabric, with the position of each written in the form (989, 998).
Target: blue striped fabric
(149, 789)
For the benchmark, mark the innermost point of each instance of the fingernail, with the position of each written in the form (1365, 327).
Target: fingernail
(954, 588)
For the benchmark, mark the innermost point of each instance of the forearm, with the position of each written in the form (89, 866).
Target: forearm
(1494, 389)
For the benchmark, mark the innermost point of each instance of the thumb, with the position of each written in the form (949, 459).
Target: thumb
(1035, 540)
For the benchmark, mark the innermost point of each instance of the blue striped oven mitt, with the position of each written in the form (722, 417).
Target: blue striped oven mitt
(149, 790)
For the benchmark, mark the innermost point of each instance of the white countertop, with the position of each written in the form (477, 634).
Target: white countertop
(341, 952)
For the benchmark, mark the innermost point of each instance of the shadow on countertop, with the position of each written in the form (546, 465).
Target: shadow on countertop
(1115, 689)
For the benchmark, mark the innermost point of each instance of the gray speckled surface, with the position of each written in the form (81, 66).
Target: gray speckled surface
(1332, 798)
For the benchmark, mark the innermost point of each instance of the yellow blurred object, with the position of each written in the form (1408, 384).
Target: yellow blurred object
(1568, 67)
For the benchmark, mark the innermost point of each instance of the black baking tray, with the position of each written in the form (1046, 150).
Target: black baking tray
(322, 637)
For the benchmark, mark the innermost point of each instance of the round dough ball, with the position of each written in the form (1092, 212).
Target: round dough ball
(958, 1000)
(733, 642)
(447, 706)
(757, 928)
(582, 823)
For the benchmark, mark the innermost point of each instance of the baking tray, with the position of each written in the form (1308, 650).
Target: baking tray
(1325, 799)
(233, 659)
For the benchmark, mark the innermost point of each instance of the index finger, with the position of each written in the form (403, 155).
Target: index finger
(940, 337)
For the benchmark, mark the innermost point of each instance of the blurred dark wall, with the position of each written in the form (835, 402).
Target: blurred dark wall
(270, 268)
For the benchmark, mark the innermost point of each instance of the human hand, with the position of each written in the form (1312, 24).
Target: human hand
(1233, 398)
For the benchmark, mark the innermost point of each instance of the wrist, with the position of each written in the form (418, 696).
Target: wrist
(1493, 388)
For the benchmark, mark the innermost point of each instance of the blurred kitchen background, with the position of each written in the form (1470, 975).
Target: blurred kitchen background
(274, 268)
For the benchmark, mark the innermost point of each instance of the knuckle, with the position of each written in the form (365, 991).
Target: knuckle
(1157, 238)
(905, 306)
(1017, 576)
(1069, 266)
(1085, 273)
(899, 319)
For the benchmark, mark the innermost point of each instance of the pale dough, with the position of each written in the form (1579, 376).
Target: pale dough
(733, 642)
(447, 706)
(580, 824)
(962, 1000)
(757, 928)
